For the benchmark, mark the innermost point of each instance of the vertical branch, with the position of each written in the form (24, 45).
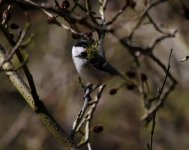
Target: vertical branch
(101, 33)
(102, 9)
(87, 99)
(150, 146)
(90, 13)
(159, 99)
(85, 118)
(101, 43)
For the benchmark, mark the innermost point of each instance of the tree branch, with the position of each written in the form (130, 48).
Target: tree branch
(35, 104)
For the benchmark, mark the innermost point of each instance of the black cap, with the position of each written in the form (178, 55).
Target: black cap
(83, 43)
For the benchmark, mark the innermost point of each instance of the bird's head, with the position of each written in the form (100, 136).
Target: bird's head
(85, 49)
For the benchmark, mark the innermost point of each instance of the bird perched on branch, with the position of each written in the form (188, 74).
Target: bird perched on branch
(91, 66)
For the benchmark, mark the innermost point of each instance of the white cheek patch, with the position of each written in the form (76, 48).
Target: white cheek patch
(77, 51)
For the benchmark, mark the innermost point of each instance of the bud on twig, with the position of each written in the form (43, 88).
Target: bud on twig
(65, 4)
(143, 77)
(98, 128)
(131, 74)
(113, 91)
(132, 4)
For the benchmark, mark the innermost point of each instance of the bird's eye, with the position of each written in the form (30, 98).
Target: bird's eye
(84, 45)
(83, 54)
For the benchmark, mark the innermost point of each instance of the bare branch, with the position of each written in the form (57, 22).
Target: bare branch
(87, 99)
(150, 146)
(117, 15)
(89, 115)
(160, 101)
(56, 4)
(89, 12)
(155, 25)
(143, 15)
(71, 19)
(35, 104)
(158, 40)
(18, 44)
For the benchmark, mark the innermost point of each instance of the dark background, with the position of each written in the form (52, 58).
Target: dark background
(57, 84)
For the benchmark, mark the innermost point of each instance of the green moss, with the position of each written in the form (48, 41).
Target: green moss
(92, 51)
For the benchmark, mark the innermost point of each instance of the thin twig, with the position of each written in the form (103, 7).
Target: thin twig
(70, 18)
(87, 99)
(78, 5)
(160, 101)
(89, 116)
(89, 12)
(143, 15)
(26, 58)
(102, 8)
(21, 60)
(56, 21)
(101, 44)
(156, 60)
(18, 44)
(56, 4)
(158, 40)
(150, 146)
(117, 15)
(154, 24)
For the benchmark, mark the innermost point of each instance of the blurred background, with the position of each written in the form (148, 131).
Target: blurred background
(57, 84)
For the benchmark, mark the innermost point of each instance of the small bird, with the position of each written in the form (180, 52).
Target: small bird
(91, 66)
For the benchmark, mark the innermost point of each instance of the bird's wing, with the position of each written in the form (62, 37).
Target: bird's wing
(100, 63)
